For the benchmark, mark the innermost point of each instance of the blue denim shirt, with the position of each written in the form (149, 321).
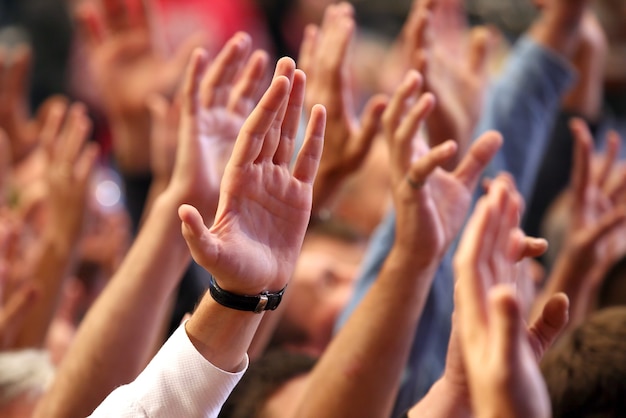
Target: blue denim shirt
(522, 106)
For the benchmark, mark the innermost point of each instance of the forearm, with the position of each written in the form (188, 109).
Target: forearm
(54, 256)
(522, 106)
(118, 333)
(359, 373)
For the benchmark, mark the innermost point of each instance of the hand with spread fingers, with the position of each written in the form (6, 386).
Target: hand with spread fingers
(128, 68)
(15, 118)
(263, 209)
(324, 57)
(213, 110)
(594, 238)
(458, 80)
(425, 194)
(70, 163)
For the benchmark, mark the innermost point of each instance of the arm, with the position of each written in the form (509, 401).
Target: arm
(69, 171)
(524, 101)
(255, 240)
(495, 365)
(104, 351)
(596, 216)
(360, 371)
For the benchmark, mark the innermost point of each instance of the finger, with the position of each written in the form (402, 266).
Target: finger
(217, 83)
(408, 128)
(477, 158)
(469, 266)
(332, 72)
(605, 225)
(419, 172)
(610, 157)
(549, 325)
(191, 86)
(370, 125)
(397, 105)
(309, 156)
(51, 128)
(17, 76)
(289, 130)
(530, 247)
(254, 130)
(581, 168)
(90, 25)
(422, 40)
(308, 48)
(247, 91)
(616, 191)
(196, 235)
(285, 67)
(501, 263)
(87, 161)
(74, 134)
(116, 15)
(506, 324)
(478, 57)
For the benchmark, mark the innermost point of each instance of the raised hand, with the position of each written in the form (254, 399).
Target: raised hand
(594, 239)
(324, 57)
(128, 68)
(457, 78)
(213, 110)
(15, 118)
(425, 194)
(499, 353)
(263, 208)
(69, 166)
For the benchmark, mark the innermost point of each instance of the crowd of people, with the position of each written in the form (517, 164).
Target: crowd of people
(260, 209)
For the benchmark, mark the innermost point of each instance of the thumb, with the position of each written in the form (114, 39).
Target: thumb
(197, 236)
(549, 325)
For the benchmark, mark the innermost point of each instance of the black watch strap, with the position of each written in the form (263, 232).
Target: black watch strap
(263, 302)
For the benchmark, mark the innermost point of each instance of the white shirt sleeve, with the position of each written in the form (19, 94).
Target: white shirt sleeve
(178, 382)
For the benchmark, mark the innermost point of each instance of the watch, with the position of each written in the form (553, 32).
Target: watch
(264, 301)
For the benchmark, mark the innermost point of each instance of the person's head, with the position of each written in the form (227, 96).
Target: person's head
(586, 371)
(320, 288)
(24, 375)
(271, 387)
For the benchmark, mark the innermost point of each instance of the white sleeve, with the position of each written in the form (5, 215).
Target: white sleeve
(178, 382)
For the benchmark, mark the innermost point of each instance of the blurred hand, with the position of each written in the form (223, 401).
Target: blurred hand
(213, 111)
(263, 209)
(457, 78)
(15, 118)
(594, 240)
(128, 68)
(324, 57)
(70, 163)
(427, 198)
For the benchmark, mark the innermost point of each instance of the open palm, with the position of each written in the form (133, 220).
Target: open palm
(263, 208)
